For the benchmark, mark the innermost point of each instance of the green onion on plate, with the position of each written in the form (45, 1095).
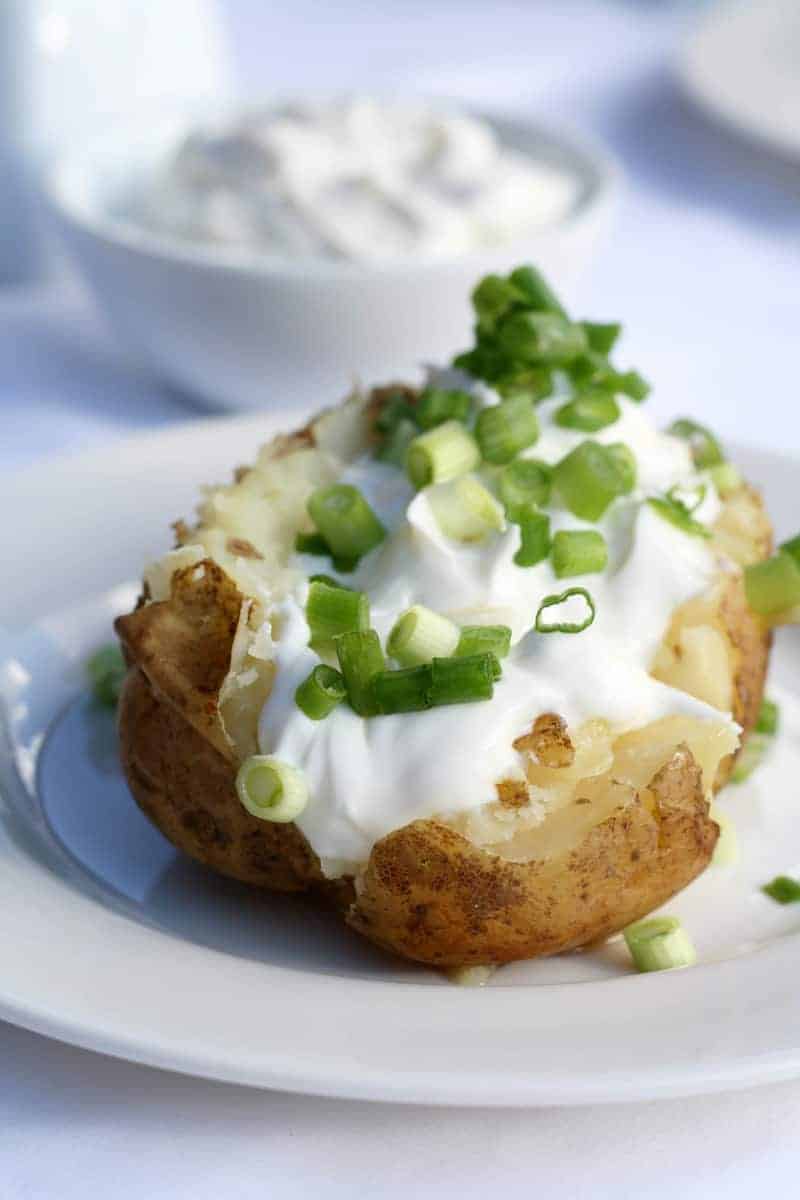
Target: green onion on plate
(420, 635)
(318, 695)
(270, 789)
(659, 944)
(578, 552)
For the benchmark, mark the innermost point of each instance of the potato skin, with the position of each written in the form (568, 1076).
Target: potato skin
(187, 789)
(432, 896)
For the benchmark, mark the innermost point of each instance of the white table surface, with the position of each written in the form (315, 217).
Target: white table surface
(704, 267)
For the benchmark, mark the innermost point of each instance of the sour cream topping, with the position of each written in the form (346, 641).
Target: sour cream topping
(368, 777)
(355, 179)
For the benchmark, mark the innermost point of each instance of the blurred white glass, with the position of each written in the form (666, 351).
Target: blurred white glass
(71, 68)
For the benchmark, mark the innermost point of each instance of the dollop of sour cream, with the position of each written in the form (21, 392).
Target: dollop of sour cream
(368, 777)
(355, 179)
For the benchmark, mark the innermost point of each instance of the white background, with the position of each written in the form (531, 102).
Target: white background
(704, 267)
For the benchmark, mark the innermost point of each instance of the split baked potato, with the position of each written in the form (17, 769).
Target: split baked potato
(626, 822)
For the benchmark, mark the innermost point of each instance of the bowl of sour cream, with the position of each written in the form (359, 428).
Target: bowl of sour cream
(270, 255)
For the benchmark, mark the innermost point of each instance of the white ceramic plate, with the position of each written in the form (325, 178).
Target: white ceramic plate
(742, 63)
(111, 941)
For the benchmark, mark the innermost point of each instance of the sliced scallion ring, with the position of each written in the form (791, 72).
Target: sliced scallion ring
(783, 889)
(441, 454)
(407, 690)
(706, 450)
(484, 639)
(465, 510)
(420, 635)
(659, 944)
(588, 411)
(437, 405)
(542, 626)
(677, 514)
(504, 429)
(578, 552)
(320, 692)
(534, 531)
(345, 520)
(773, 586)
(524, 481)
(270, 789)
(360, 660)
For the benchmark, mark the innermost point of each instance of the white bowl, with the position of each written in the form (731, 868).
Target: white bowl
(238, 330)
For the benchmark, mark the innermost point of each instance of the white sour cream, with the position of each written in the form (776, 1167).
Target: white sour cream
(368, 777)
(355, 179)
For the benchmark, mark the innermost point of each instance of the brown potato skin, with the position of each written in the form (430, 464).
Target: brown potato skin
(752, 643)
(432, 896)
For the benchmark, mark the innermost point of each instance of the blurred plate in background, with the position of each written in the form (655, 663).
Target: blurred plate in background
(742, 64)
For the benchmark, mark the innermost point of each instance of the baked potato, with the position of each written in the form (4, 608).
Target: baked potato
(602, 821)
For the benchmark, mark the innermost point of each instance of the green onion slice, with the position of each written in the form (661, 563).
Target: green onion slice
(484, 639)
(783, 889)
(463, 680)
(441, 454)
(106, 670)
(677, 514)
(659, 944)
(706, 450)
(360, 660)
(465, 510)
(688, 498)
(773, 586)
(588, 411)
(768, 717)
(504, 429)
(395, 446)
(311, 543)
(318, 694)
(578, 552)
(438, 405)
(523, 482)
(534, 529)
(270, 789)
(332, 610)
(625, 461)
(589, 478)
(750, 756)
(420, 635)
(792, 548)
(601, 338)
(540, 338)
(345, 520)
(726, 478)
(407, 690)
(493, 298)
(393, 412)
(542, 626)
(536, 290)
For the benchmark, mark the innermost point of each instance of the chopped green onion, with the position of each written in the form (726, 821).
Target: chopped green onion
(395, 447)
(492, 299)
(441, 454)
(589, 411)
(750, 756)
(331, 610)
(578, 552)
(484, 639)
(601, 338)
(534, 383)
(106, 669)
(394, 411)
(543, 338)
(542, 626)
(625, 461)
(329, 579)
(773, 586)
(465, 510)
(270, 789)
(318, 694)
(463, 680)
(689, 498)
(419, 635)
(506, 428)
(534, 529)
(726, 478)
(631, 384)
(588, 479)
(726, 851)
(360, 659)
(792, 547)
(659, 944)
(783, 889)
(536, 290)
(594, 370)
(768, 718)
(523, 482)
(345, 520)
(311, 543)
(402, 691)
(678, 515)
(706, 450)
(438, 405)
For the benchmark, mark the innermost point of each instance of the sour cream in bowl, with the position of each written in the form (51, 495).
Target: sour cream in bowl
(271, 253)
